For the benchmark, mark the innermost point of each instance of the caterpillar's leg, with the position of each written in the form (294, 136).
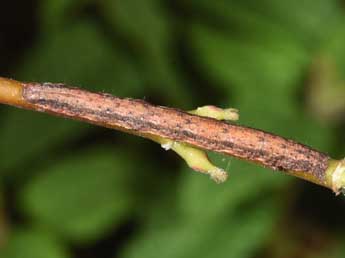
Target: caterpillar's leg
(196, 158)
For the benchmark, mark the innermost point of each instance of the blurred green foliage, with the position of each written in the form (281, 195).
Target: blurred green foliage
(69, 187)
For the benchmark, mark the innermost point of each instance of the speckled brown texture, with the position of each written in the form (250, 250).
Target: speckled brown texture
(142, 118)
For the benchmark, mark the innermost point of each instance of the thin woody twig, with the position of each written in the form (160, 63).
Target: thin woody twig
(141, 118)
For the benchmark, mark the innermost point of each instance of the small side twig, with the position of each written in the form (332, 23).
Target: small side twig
(141, 118)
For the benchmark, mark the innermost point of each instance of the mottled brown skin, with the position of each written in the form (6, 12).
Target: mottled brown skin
(141, 118)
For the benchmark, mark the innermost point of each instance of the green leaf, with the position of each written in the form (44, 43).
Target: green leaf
(243, 234)
(334, 47)
(34, 244)
(250, 67)
(149, 29)
(144, 21)
(308, 21)
(56, 13)
(311, 20)
(326, 91)
(226, 236)
(80, 55)
(25, 134)
(200, 198)
(83, 197)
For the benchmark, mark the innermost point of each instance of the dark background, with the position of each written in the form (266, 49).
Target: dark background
(70, 189)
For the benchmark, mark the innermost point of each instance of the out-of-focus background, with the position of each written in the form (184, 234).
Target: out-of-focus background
(72, 190)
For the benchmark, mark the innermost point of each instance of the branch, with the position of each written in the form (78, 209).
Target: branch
(141, 118)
